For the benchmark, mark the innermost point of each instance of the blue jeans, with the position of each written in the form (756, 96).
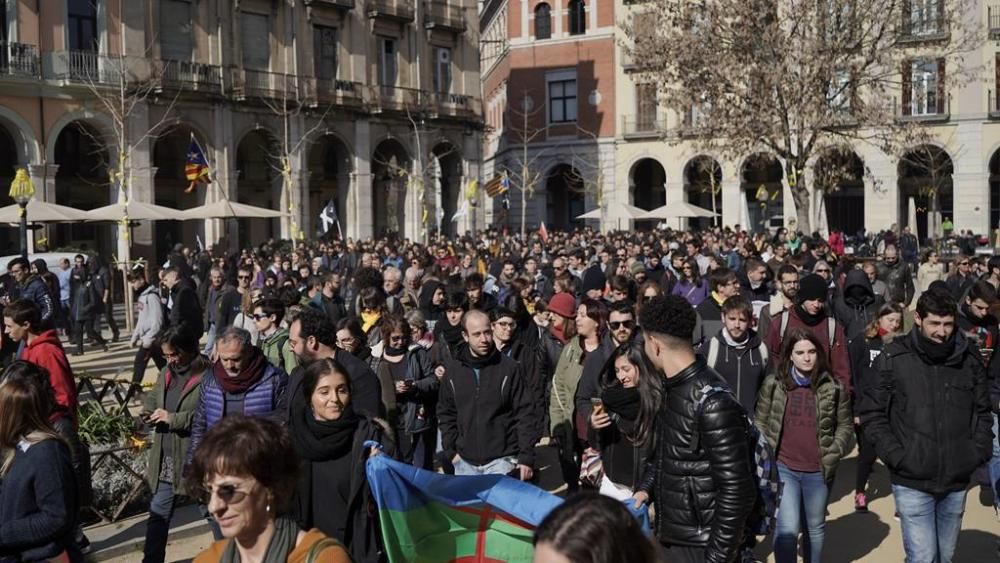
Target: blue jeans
(930, 523)
(161, 510)
(994, 464)
(499, 466)
(801, 490)
(210, 340)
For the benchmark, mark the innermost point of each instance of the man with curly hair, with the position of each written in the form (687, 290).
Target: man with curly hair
(699, 474)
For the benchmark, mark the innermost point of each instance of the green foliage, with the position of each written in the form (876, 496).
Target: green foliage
(98, 427)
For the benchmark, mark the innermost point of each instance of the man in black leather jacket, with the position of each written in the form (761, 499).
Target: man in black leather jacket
(704, 495)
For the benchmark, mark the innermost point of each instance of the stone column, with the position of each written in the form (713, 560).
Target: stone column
(43, 177)
(361, 223)
(882, 199)
(733, 204)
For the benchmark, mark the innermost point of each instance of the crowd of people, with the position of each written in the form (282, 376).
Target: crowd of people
(648, 361)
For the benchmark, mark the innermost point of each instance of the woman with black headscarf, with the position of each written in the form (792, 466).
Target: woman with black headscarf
(432, 301)
(329, 436)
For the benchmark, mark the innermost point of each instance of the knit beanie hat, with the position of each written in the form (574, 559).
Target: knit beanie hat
(811, 287)
(563, 304)
(593, 278)
(638, 267)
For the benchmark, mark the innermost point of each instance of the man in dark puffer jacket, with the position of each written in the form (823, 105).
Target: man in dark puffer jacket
(857, 304)
(703, 495)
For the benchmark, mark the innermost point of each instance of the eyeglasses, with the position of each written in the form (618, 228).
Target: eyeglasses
(345, 341)
(397, 338)
(823, 271)
(615, 325)
(963, 263)
(260, 316)
(228, 494)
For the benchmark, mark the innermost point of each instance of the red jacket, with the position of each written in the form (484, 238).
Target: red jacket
(840, 361)
(46, 351)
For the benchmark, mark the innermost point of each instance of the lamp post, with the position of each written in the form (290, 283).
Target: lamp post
(21, 191)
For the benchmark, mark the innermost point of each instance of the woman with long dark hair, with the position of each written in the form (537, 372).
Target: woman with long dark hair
(38, 507)
(691, 285)
(863, 349)
(588, 528)
(805, 414)
(591, 326)
(621, 423)
(329, 436)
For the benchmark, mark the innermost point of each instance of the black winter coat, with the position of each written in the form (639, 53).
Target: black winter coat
(703, 496)
(488, 416)
(185, 310)
(930, 422)
(856, 305)
(744, 368)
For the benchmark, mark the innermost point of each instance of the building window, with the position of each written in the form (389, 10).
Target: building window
(255, 30)
(442, 70)
(175, 30)
(577, 17)
(926, 81)
(387, 61)
(840, 90)
(82, 24)
(925, 17)
(325, 52)
(645, 97)
(562, 97)
(543, 21)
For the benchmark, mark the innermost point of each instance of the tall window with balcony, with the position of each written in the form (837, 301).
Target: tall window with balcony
(577, 17)
(255, 30)
(562, 97)
(442, 70)
(325, 52)
(387, 65)
(923, 17)
(839, 92)
(543, 21)
(923, 87)
(81, 25)
(175, 30)
(645, 101)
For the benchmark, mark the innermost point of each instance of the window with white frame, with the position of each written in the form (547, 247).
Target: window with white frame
(925, 17)
(924, 87)
(387, 69)
(838, 95)
(175, 30)
(577, 17)
(442, 70)
(562, 96)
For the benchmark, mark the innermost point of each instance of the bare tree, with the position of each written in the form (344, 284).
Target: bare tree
(796, 77)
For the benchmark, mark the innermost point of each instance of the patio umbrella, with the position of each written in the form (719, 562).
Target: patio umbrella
(226, 209)
(628, 210)
(135, 211)
(679, 210)
(42, 212)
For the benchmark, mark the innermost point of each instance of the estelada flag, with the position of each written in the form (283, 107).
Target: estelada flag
(196, 168)
(498, 185)
(543, 233)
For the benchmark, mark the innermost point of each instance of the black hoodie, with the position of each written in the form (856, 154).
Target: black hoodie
(744, 367)
(856, 305)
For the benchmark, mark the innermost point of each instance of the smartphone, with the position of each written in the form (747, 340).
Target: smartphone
(408, 382)
(598, 404)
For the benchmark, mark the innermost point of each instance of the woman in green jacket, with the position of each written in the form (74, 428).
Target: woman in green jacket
(168, 409)
(591, 325)
(805, 414)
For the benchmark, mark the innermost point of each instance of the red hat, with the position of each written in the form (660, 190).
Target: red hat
(563, 304)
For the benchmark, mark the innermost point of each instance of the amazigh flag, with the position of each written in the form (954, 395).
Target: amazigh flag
(196, 168)
(428, 516)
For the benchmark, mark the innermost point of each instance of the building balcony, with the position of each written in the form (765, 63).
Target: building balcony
(993, 21)
(19, 59)
(448, 105)
(341, 4)
(992, 105)
(249, 83)
(439, 14)
(394, 98)
(186, 75)
(399, 10)
(331, 91)
(915, 31)
(643, 127)
(923, 111)
(83, 67)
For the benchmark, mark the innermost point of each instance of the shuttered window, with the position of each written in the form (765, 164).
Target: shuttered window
(175, 30)
(325, 49)
(255, 30)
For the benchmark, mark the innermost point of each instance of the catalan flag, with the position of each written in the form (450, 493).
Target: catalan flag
(196, 168)
(498, 185)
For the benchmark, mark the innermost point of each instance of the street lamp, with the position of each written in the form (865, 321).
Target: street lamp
(21, 191)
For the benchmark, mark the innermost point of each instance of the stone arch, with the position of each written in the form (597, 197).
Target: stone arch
(99, 122)
(390, 172)
(703, 187)
(82, 181)
(839, 173)
(23, 135)
(259, 182)
(170, 149)
(924, 177)
(330, 164)
(761, 178)
(564, 197)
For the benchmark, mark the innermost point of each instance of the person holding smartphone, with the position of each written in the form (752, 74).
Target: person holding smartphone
(409, 390)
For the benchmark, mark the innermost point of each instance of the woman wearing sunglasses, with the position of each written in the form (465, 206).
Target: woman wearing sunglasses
(247, 470)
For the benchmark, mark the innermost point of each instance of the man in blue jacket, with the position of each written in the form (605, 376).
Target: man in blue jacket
(33, 289)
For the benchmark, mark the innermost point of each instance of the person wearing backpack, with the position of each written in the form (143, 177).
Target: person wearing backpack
(810, 313)
(737, 353)
(699, 472)
(272, 337)
(805, 414)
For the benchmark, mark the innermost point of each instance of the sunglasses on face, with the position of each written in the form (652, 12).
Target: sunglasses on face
(243, 277)
(229, 494)
(615, 325)
(823, 271)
